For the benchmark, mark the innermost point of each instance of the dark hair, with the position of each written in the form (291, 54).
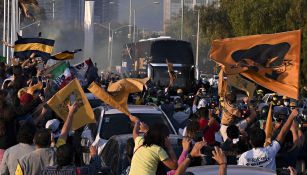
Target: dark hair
(42, 138)
(17, 70)
(156, 135)
(26, 133)
(193, 128)
(129, 149)
(203, 113)
(64, 155)
(257, 137)
(233, 132)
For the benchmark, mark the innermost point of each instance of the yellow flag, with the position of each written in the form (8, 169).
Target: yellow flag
(69, 94)
(96, 90)
(121, 89)
(171, 73)
(268, 127)
(240, 83)
(32, 89)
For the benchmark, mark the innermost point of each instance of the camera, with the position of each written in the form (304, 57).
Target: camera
(302, 116)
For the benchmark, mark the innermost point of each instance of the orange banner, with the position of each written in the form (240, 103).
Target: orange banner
(268, 127)
(270, 60)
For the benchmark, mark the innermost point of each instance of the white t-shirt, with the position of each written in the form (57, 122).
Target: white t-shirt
(261, 157)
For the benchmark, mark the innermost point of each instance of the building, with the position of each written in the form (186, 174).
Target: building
(173, 8)
(106, 11)
(72, 11)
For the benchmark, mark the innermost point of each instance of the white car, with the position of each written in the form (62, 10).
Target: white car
(113, 122)
(231, 170)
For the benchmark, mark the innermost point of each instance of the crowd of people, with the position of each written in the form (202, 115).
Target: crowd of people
(216, 130)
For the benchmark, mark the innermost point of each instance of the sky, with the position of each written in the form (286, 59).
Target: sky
(148, 15)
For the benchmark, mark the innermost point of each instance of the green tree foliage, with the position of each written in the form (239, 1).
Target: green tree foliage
(232, 18)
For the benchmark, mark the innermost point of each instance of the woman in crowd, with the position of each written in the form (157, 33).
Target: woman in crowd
(150, 149)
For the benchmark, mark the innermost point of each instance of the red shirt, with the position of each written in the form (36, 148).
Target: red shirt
(209, 131)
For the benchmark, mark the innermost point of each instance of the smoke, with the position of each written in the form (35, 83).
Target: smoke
(69, 37)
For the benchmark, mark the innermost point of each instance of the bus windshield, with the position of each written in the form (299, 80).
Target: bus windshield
(175, 51)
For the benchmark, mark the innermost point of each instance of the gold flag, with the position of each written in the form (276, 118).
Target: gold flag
(270, 60)
(171, 73)
(32, 89)
(240, 83)
(121, 89)
(222, 85)
(71, 93)
(98, 92)
(268, 127)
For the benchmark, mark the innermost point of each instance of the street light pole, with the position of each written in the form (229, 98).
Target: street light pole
(109, 45)
(197, 47)
(182, 18)
(111, 50)
(4, 28)
(133, 25)
(130, 18)
(53, 1)
(8, 30)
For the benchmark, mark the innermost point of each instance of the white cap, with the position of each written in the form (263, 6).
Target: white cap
(53, 124)
(202, 103)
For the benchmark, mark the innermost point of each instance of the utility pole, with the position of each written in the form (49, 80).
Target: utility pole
(109, 46)
(111, 50)
(197, 47)
(4, 28)
(53, 2)
(134, 25)
(182, 18)
(130, 19)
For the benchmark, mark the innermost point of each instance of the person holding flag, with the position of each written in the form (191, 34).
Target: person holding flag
(264, 156)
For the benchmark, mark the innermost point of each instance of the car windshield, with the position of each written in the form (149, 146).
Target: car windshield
(116, 124)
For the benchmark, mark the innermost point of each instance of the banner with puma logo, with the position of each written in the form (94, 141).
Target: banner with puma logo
(270, 60)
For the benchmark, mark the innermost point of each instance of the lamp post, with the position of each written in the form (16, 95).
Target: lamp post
(197, 48)
(53, 1)
(10, 25)
(29, 25)
(130, 8)
(110, 41)
(133, 10)
(4, 28)
(182, 19)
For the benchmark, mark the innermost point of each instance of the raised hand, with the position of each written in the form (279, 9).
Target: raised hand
(186, 142)
(196, 151)
(219, 156)
(72, 108)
